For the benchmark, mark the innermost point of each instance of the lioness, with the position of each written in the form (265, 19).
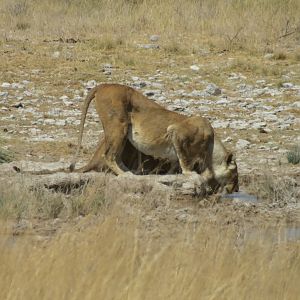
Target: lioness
(128, 116)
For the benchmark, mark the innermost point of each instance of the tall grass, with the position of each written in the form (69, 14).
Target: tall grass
(231, 22)
(113, 261)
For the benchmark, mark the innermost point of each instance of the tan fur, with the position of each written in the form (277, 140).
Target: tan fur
(130, 119)
(143, 137)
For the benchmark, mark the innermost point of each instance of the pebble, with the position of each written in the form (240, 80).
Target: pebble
(154, 38)
(91, 84)
(220, 124)
(195, 68)
(212, 89)
(3, 94)
(56, 54)
(148, 46)
(242, 144)
(6, 85)
(287, 85)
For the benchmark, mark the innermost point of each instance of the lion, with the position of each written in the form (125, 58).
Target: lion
(143, 137)
(138, 131)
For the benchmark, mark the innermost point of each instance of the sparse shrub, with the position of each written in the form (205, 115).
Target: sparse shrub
(18, 8)
(22, 25)
(293, 156)
(274, 189)
(5, 156)
(173, 48)
(280, 55)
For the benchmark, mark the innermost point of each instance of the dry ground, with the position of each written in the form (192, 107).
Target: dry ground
(144, 244)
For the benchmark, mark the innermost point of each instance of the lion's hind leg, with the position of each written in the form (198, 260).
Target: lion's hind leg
(114, 141)
(96, 163)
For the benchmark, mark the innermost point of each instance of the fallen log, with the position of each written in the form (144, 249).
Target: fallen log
(193, 185)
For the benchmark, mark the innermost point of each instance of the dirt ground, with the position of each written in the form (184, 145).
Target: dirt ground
(252, 101)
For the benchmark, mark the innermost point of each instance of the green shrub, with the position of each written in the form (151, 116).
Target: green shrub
(5, 156)
(293, 156)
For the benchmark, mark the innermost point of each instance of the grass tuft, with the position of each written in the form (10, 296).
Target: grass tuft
(5, 156)
(293, 156)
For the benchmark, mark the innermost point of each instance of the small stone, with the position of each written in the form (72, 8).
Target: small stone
(265, 130)
(269, 56)
(151, 93)
(107, 66)
(61, 122)
(154, 38)
(18, 105)
(239, 124)
(227, 140)
(5, 85)
(3, 94)
(242, 144)
(139, 84)
(195, 68)
(220, 124)
(91, 84)
(212, 89)
(56, 54)
(296, 104)
(287, 85)
(17, 86)
(259, 125)
(148, 46)
(27, 94)
(64, 98)
(223, 101)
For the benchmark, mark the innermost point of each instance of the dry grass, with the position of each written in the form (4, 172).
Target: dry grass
(120, 255)
(260, 23)
(111, 261)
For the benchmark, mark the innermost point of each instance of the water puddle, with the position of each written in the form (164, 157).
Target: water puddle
(241, 196)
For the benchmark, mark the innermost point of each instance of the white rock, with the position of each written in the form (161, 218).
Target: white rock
(5, 85)
(220, 124)
(239, 124)
(56, 54)
(296, 104)
(64, 98)
(242, 144)
(194, 68)
(61, 122)
(107, 66)
(223, 101)
(212, 89)
(3, 94)
(91, 84)
(269, 56)
(259, 125)
(49, 121)
(27, 94)
(287, 85)
(148, 46)
(17, 86)
(227, 140)
(154, 38)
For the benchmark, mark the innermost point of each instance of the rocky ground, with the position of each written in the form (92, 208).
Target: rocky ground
(252, 100)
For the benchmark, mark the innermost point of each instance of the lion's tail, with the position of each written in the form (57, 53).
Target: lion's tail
(86, 104)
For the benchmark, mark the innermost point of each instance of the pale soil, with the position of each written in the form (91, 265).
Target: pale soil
(24, 133)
